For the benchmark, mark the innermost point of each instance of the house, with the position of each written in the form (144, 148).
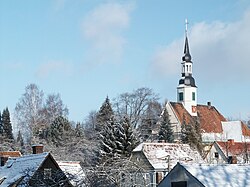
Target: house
(73, 171)
(4, 155)
(228, 152)
(157, 159)
(205, 175)
(214, 126)
(37, 169)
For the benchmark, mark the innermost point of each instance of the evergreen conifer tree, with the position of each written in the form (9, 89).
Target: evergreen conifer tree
(60, 131)
(166, 133)
(7, 127)
(191, 134)
(105, 114)
(19, 138)
(125, 138)
(108, 140)
(117, 139)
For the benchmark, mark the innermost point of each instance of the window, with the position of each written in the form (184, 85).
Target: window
(159, 176)
(181, 96)
(179, 184)
(47, 173)
(193, 96)
(216, 155)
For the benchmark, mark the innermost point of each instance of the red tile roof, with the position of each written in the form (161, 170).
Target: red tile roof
(10, 154)
(209, 117)
(182, 113)
(234, 148)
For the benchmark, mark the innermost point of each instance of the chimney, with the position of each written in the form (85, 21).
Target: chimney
(209, 104)
(3, 160)
(37, 149)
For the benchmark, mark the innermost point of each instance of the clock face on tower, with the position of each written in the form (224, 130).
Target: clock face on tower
(194, 109)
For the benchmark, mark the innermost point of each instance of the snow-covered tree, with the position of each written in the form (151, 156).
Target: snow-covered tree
(53, 108)
(28, 111)
(108, 140)
(166, 133)
(126, 140)
(117, 139)
(104, 114)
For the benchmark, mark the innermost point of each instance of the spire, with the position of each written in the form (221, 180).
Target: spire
(187, 56)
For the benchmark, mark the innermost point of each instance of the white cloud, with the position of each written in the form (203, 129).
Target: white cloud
(220, 50)
(103, 27)
(53, 67)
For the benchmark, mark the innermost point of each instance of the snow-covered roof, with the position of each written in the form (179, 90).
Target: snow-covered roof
(235, 130)
(73, 171)
(166, 155)
(18, 167)
(220, 175)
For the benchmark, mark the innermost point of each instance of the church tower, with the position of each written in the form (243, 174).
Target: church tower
(187, 90)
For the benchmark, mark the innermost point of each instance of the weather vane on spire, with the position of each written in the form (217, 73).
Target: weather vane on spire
(186, 23)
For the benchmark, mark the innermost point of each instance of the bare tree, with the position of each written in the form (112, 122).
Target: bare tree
(116, 173)
(54, 108)
(28, 111)
(134, 105)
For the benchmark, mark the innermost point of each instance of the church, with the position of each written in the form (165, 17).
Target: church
(214, 126)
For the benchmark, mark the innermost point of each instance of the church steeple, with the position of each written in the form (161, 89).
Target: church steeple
(187, 90)
(187, 56)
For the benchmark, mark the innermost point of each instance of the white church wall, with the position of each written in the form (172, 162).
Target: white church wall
(173, 120)
(232, 130)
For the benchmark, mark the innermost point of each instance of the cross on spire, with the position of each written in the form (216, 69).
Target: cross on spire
(186, 23)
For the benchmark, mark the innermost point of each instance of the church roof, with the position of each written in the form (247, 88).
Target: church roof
(188, 81)
(210, 118)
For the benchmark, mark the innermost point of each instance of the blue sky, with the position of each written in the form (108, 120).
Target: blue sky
(88, 49)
